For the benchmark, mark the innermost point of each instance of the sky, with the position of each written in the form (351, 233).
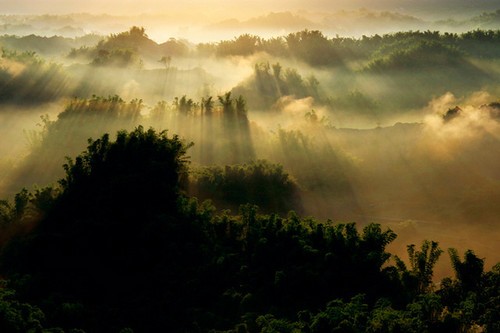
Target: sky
(210, 20)
(234, 7)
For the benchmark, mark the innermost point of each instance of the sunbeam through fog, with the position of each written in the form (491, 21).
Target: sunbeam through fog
(199, 166)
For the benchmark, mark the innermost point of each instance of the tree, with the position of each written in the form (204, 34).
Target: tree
(267, 185)
(166, 60)
(469, 271)
(227, 103)
(120, 232)
(243, 45)
(241, 107)
(184, 105)
(312, 47)
(137, 32)
(207, 105)
(421, 265)
(136, 163)
(17, 317)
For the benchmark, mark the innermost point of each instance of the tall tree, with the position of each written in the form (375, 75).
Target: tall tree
(422, 264)
(469, 271)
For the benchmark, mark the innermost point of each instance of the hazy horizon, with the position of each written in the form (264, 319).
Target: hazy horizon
(240, 8)
(201, 22)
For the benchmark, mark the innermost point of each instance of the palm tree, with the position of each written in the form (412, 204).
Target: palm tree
(227, 103)
(241, 106)
(469, 271)
(421, 263)
(207, 105)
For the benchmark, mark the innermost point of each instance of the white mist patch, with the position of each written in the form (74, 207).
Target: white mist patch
(292, 114)
(441, 103)
(22, 129)
(294, 107)
(222, 74)
(450, 129)
(130, 90)
(479, 98)
(297, 114)
(12, 67)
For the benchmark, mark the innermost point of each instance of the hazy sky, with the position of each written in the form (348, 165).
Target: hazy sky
(190, 19)
(231, 7)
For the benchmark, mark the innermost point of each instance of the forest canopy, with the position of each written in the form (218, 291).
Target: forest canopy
(120, 221)
(154, 183)
(296, 64)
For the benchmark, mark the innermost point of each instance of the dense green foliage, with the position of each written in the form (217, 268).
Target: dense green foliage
(418, 64)
(422, 55)
(315, 49)
(47, 46)
(127, 48)
(120, 247)
(260, 183)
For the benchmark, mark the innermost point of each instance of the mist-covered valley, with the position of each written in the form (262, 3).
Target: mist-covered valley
(399, 127)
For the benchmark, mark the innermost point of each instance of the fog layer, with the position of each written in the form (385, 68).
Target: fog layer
(400, 129)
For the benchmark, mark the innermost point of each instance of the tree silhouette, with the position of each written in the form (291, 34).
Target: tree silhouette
(227, 103)
(166, 60)
(422, 264)
(117, 165)
(184, 105)
(207, 106)
(469, 271)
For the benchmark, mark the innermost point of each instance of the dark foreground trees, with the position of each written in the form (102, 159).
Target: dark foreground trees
(120, 248)
(261, 183)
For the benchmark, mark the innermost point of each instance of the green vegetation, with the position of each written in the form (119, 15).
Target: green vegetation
(47, 46)
(138, 237)
(430, 61)
(417, 64)
(120, 247)
(127, 49)
(66, 136)
(121, 50)
(315, 49)
(27, 79)
(269, 83)
(354, 101)
(259, 183)
(422, 55)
